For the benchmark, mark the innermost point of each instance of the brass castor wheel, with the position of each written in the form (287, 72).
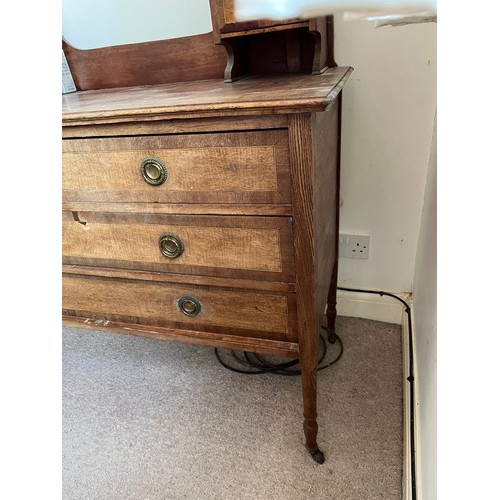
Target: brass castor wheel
(317, 455)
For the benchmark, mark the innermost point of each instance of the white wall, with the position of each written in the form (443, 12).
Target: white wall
(425, 338)
(388, 111)
(388, 164)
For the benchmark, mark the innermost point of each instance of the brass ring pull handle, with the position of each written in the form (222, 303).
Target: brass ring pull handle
(189, 305)
(171, 246)
(153, 171)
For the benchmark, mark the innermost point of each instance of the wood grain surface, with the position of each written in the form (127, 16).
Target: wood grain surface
(214, 339)
(273, 94)
(215, 246)
(325, 136)
(224, 20)
(178, 126)
(232, 167)
(189, 279)
(303, 186)
(175, 60)
(256, 314)
(257, 209)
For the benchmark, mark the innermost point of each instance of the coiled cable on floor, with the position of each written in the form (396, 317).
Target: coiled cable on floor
(251, 363)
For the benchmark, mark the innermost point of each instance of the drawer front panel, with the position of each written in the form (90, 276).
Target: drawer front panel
(245, 247)
(235, 167)
(248, 313)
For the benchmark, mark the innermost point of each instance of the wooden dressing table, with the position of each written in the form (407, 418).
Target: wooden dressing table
(206, 210)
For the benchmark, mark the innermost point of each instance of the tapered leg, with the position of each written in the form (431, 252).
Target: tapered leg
(331, 311)
(309, 369)
(309, 390)
(308, 308)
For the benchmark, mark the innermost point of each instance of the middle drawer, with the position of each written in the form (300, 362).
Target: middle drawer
(226, 246)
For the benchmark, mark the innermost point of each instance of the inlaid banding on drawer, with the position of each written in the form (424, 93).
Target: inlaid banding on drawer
(249, 313)
(216, 246)
(235, 167)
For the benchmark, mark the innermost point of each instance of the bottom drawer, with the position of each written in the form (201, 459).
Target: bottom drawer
(198, 308)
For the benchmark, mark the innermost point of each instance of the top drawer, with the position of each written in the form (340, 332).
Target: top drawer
(232, 167)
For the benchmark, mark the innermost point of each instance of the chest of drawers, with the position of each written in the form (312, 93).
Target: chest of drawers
(207, 213)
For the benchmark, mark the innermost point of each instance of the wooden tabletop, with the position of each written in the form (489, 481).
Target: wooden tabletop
(297, 93)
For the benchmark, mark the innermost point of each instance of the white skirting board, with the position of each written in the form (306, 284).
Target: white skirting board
(370, 306)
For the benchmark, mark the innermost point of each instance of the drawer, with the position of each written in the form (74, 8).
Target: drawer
(257, 248)
(197, 308)
(231, 167)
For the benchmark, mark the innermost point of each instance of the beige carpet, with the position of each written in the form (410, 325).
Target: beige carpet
(145, 419)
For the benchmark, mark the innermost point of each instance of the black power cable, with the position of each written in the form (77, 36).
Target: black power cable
(255, 364)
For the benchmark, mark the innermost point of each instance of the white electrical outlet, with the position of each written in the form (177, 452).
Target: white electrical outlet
(354, 246)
